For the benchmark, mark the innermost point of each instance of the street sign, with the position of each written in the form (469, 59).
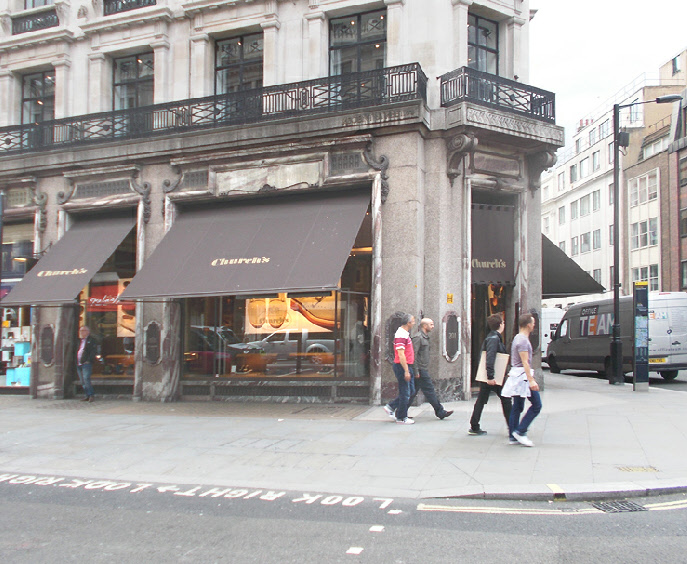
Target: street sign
(640, 355)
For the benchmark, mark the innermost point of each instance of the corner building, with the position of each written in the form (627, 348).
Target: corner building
(263, 184)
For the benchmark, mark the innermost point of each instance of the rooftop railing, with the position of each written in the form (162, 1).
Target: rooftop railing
(320, 96)
(35, 22)
(468, 85)
(111, 7)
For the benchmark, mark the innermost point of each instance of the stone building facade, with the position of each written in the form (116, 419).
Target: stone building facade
(340, 160)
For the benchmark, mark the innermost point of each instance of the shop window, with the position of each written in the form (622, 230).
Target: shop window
(357, 43)
(38, 97)
(319, 335)
(238, 63)
(483, 44)
(17, 251)
(112, 325)
(133, 81)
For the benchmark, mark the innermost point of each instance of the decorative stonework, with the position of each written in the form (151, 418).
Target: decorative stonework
(536, 164)
(144, 191)
(488, 118)
(382, 165)
(171, 185)
(458, 146)
(384, 117)
(41, 200)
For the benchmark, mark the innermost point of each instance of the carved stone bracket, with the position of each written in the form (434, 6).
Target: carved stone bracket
(144, 191)
(458, 146)
(63, 198)
(171, 185)
(381, 165)
(536, 164)
(41, 200)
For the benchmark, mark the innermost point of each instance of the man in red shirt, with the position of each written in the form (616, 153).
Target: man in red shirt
(404, 357)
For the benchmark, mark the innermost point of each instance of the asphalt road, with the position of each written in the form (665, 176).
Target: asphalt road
(66, 522)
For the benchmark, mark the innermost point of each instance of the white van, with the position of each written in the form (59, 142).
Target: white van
(548, 323)
(582, 340)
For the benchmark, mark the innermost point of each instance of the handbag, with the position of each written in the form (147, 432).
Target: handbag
(500, 365)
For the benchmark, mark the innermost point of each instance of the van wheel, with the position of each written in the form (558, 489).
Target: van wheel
(668, 374)
(553, 366)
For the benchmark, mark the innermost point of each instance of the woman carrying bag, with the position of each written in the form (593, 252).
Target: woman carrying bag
(491, 348)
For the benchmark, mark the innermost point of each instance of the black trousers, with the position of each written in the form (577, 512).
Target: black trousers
(424, 383)
(482, 400)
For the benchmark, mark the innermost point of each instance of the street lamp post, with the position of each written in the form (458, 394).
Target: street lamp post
(621, 139)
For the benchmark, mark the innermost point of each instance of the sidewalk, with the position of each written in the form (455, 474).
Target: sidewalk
(593, 440)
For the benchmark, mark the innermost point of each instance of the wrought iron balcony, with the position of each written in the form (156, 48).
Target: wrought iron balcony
(111, 7)
(325, 95)
(35, 22)
(469, 85)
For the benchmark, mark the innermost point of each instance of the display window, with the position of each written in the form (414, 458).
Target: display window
(325, 335)
(112, 324)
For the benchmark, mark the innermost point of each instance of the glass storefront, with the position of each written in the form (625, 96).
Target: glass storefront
(325, 335)
(112, 324)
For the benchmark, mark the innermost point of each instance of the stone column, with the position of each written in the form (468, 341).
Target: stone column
(376, 323)
(171, 332)
(98, 84)
(394, 33)
(317, 64)
(460, 32)
(62, 81)
(202, 68)
(162, 74)
(513, 51)
(270, 61)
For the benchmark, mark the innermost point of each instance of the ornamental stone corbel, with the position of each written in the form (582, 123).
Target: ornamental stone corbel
(458, 146)
(168, 186)
(144, 191)
(41, 201)
(536, 164)
(62, 197)
(382, 165)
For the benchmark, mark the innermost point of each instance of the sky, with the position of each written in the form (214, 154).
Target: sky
(587, 50)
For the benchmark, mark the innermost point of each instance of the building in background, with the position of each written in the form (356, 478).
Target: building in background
(577, 193)
(264, 184)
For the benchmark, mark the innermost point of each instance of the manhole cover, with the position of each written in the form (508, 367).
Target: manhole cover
(618, 506)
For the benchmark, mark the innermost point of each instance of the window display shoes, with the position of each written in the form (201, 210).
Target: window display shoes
(522, 439)
(406, 421)
(390, 412)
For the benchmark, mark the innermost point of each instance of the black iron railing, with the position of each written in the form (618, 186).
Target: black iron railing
(330, 94)
(468, 85)
(35, 22)
(116, 6)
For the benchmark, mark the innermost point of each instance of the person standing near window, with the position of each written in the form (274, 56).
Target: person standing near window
(85, 357)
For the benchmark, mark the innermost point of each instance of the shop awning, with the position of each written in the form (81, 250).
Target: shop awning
(69, 265)
(562, 276)
(281, 244)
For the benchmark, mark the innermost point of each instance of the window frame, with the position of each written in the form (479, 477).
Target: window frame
(46, 101)
(359, 43)
(483, 50)
(136, 83)
(241, 64)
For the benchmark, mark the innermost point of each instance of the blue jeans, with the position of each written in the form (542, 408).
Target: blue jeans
(424, 382)
(405, 390)
(521, 426)
(84, 371)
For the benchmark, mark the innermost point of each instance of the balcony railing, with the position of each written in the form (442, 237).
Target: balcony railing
(116, 6)
(468, 85)
(35, 22)
(331, 94)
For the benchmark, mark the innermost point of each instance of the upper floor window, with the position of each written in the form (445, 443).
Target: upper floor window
(643, 188)
(592, 136)
(682, 172)
(134, 82)
(584, 167)
(573, 173)
(38, 97)
(676, 65)
(357, 43)
(238, 63)
(596, 200)
(573, 209)
(604, 129)
(561, 215)
(30, 4)
(561, 179)
(596, 160)
(116, 6)
(483, 44)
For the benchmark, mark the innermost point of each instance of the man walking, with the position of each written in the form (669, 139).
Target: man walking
(423, 381)
(521, 383)
(492, 345)
(85, 357)
(404, 357)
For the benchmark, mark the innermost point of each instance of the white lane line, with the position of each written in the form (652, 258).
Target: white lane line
(354, 550)
(376, 528)
(394, 511)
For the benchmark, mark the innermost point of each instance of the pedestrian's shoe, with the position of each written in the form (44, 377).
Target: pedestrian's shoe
(85, 399)
(390, 412)
(406, 421)
(477, 431)
(512, 441)
(446, 414)
(522, 439)
(91, 399)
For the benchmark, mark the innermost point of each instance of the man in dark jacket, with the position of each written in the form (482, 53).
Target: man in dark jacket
(424, 382)
(85, 357)
(492, 344)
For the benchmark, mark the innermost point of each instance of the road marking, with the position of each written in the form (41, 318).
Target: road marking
(666, 505)
(377, 528)
(354, 550)
(394, 511)
(507, 510)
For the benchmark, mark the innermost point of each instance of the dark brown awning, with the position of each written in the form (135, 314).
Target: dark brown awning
(70, 264)
(562, 276)
(282, 244)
